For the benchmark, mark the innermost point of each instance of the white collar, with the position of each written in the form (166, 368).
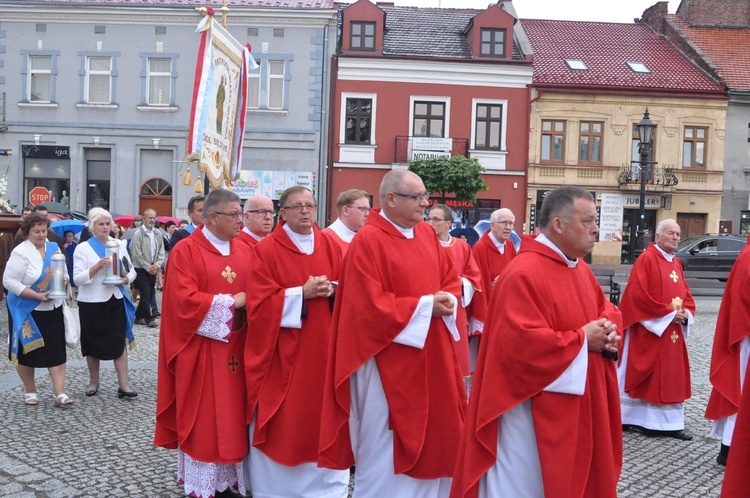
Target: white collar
(667, 256)
(541, 238)
(305, 243)
(446, 243)
(342, 230)
(407, 232)
(251, 234)
(500, 245)
(222, 246)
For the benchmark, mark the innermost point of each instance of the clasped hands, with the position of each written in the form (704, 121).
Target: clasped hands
(681, 317)
(601, 335)
(317, 287)
(442, 304)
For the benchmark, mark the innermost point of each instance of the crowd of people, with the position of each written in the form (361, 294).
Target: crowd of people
(291, 357)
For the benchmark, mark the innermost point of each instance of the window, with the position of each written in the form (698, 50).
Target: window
(358, 121)
(159, 81)
(489, 126)
(266, 85)
(40, 78)
(576, 64)
(636, 151)
(429, 119)
(638, 67)
(590, 142)
(694, 147)
(362, 35)
(493, 42)
(275, 84)
(98, 84)
(553, 140)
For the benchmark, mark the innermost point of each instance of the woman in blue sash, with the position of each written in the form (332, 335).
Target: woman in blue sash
(106, 311)
(37, 338)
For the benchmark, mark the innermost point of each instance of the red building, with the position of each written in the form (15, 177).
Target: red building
(412, 83)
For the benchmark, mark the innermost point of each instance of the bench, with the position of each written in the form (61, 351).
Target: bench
(605, 276)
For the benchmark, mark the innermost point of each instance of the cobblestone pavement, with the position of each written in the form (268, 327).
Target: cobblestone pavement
(101, 447)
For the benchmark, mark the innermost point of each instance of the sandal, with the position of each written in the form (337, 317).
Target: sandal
(30, 399)
(63, 400)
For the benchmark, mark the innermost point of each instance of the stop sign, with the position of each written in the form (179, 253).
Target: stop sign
(39, 195)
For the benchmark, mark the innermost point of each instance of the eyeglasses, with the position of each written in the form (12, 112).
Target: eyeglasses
(261, 213)
(418, 198)
(236, 216)
(435, 220)
(505, 223)
(297, 208)
(363, 209)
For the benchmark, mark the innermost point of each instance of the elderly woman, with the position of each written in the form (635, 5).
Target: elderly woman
(106, 310)
(37, 327)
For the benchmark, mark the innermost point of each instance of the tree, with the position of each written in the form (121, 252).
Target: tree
(457, 174)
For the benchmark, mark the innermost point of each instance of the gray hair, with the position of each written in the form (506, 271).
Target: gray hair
(218, 197)
(495, 216)
(560, 202)
(393, 181)
(95, 214)
(660, 226)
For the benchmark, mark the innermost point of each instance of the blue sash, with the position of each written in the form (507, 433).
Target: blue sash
(100, 250)
(190, 228)
(25, 331)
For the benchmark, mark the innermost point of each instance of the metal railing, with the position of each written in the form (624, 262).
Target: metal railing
(403, 151)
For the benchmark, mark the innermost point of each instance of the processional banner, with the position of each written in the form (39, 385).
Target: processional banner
(217, 119)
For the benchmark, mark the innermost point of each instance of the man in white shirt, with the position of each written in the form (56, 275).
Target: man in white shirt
(147, 253)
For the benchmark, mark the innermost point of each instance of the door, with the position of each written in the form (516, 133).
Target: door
(156, 194)
(691, 224)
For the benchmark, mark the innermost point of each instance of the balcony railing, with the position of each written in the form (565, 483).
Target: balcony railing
(404, 153)
(663, 176)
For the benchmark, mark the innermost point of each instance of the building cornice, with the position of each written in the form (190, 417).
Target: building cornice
(436, 72)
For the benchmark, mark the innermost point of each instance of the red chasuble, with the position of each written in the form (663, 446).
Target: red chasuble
(531, 338)
(491, 262)
(658, 370)
(245, 238)
(343, 245)
(736, 477)
(731, 327)
(463, 261)
(201, 387)
(384, 276)
(285, 368)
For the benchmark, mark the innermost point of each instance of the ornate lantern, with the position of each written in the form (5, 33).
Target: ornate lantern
(113, 271)
(57, 276)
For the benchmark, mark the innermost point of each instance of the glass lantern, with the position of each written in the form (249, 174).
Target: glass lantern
(57, 276)
(113, 271)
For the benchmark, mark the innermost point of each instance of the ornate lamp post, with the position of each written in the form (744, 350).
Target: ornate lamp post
(645, 134)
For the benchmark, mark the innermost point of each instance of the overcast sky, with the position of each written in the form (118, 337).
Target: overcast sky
(572, 10)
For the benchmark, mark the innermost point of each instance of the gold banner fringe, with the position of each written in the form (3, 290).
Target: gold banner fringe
(28, 348)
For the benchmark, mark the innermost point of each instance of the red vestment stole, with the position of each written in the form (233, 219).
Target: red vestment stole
(385, 274)
(286, 367)
(343, 245)
(247, 239)
(658, 369)
(731, 327)
(531, 337)
(201, 387)
(490, 261)
(463, 261)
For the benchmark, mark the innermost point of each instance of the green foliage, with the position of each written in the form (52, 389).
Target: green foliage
(457, 174)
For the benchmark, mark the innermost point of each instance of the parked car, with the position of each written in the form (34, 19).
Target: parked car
(710, 252)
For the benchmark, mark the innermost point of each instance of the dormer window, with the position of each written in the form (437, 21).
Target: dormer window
(638, 67)
(362, 35)
(493, 42)
(576, 64)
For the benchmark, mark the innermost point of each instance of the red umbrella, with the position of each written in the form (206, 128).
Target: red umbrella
(125, 220)
(164, 219)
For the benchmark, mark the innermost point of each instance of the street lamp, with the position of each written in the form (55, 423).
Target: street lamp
(645, 134)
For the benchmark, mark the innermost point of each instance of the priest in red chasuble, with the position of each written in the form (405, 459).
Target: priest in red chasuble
(353, 207)
(394, 396)
(200, 399)
(730, 354)
(657, 311)
(494, 250)
(258, 219)
(290, 293)
(737, 478)
(544, 414)
(472, 310)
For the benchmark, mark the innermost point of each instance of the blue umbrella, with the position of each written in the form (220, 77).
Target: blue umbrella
(61, 226)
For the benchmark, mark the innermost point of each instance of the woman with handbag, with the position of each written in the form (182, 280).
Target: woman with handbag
(106, 311)
(37, 338)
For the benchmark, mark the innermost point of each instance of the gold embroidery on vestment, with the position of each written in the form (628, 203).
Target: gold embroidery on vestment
(676, 303)
(228, 274)
(674, 337)
(233, 363)
(674, 276)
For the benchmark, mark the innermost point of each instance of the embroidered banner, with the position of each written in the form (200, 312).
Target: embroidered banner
(217, 120)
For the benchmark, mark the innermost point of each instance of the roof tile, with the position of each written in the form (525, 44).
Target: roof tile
(288, 4)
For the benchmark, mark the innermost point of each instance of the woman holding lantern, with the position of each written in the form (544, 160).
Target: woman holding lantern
(37, 327)
(101, 269)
